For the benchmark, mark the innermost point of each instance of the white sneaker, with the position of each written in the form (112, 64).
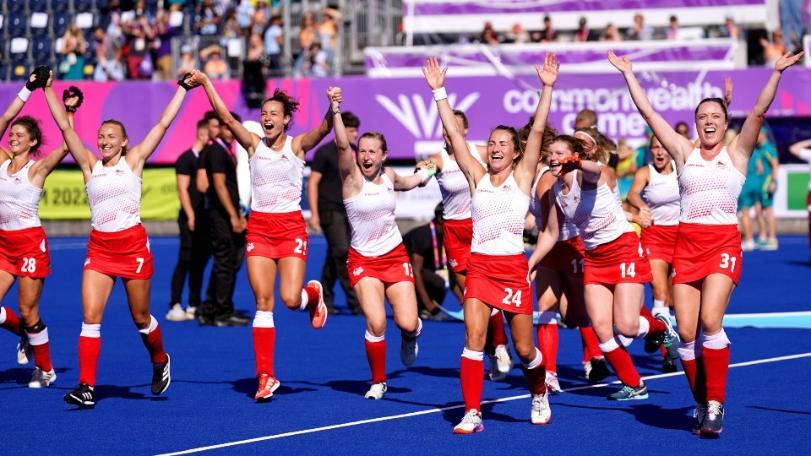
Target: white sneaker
(176, 313)
(408, 350)
(587, 369)
(748, 246)
(23, 351)
(471, 423)
(503, 360)
(376, 392)
(552, 383)
(541, 413)
(191, 313)
(42, 379)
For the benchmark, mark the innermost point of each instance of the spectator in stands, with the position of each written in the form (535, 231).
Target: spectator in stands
(730, 29)
(138, 34)
(71, 65)
(230, 28)
(517, 34)
(328, 34)
(791, 21)
(583, 33)
(260, 18)
(639, 31)
(425, 248)
(611, 33)
(682, 129)
(274, 39)
(163, 46)
(306, 37)
(489, 35)
(213, 64)
(673, 28)
(108, 56)
(548, 34)
(245, 12)
(316, 64)
(113, 12)
(253, 72)
(187, 61)
(774, 49)
(208, 19)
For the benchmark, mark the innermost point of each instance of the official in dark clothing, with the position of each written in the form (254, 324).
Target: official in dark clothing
(227, 231)
(192, 221)
(429, 263)
(328, 215)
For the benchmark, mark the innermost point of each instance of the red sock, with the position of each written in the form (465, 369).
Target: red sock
(153, 341)
(471, 375)
(591, 346)
(40, 348)
(495, 332)
(621, 362)
(656, 325)
(694, 371)
(12, 322)
(716, 365)
(376, 355)
(264, 343)
(549, 341)
(312, 294)
(536, 376)
(663, 350)
(89, 348)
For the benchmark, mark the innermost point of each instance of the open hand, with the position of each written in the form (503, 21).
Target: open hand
(620, 63)
(548, 73)
(434, 74)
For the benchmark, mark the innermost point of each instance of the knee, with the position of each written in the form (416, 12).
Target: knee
(687, 334)
(525, 350)
(28, 313)
(264, 301)
(406, 324)
(475, 338)
(291, 299)
(377, 328)
(708, 325)
(547, 302)
(628, 327)
(141, 318)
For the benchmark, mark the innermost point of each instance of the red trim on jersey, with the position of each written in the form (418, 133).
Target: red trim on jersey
(702, 250)
(24, 253)
(500, 281)
(122, 253)
(276, 235)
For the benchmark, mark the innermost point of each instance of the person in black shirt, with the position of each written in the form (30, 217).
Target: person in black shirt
(428, 260)
(328, 215)
(192, 221)
(227, 231)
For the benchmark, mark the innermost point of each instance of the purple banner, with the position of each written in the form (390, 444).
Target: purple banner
(404, 111)
(426, 8)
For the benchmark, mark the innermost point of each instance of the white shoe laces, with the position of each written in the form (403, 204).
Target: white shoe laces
(714, 409)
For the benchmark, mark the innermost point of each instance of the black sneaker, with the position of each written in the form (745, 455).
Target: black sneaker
(669, 365)
(699, 413)
(654, 341)
(161, 376)
(599, 370)
(231, 320)
(83, 396)
(713, 422)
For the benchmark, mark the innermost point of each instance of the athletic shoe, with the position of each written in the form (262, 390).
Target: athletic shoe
(161, 376)
(229, 320)
(770, 245)
(176, 313)
(699, 414)
(495, 375)
(376, 392)
(503, 360)
(629, 393)
(267, 385)
(552, 383)
(669, 365)
(83, 396)
(408, 350)
(191, 313)
(748, 246)
(598, 370)
(42, 379)
(670, 338)
(318, 311)
(654, 340)
(23, 351)
(541, 413)
(713, 422)
(471, 423)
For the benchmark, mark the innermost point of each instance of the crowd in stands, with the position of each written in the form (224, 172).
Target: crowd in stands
(107, 40)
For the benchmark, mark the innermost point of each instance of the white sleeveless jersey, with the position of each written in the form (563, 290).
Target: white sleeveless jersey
(454, 187)
(371, 216)
(567, 229)
(596, 213)
(19, 199)
(662, 196)
(498, 217)
(276, 179)
(710, 190)
(114, 196)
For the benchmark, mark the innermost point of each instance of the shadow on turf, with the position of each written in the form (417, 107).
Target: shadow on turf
(799, 263)
(247, 386)
(769, 409)
(124, 392)
(653, 415)
(22, 375)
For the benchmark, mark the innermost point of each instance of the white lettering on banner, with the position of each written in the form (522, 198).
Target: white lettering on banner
(419, 115)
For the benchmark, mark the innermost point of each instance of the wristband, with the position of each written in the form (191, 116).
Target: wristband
(440, 94)
(182, 82)
(425, 174)
(24, 94)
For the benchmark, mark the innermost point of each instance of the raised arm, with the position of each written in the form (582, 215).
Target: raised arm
(635, 196)
(801, 149)
(435, 76)
(37, 79)
(244, 137)
(548, 74)
(678, 146)
(306, 141)
(72, 99)
(425, 170)
(80, 154)
(140, 153)
(744, 143)
(348, 169)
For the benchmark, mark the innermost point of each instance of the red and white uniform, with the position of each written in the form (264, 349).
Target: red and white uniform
(23, 245)
(118, 244)
(376, 249)
(566, 256)
(457, 227)
(613, 252)
(663, 198)
(276, 227)
(708, 241)
(497, 270)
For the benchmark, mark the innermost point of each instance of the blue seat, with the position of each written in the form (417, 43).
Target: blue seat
(3, 71)
(39, 5)
(41, 49)
(17, 25)
(81, 6)
(58, 6)
(60, 23)
(15, 6)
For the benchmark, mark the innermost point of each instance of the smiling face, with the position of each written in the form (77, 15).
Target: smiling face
(711, 123)
(20, 140)
(501, 150)
(111, 140)
(558, 151)
(660, 156)
(370, 156)
(273, 118)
